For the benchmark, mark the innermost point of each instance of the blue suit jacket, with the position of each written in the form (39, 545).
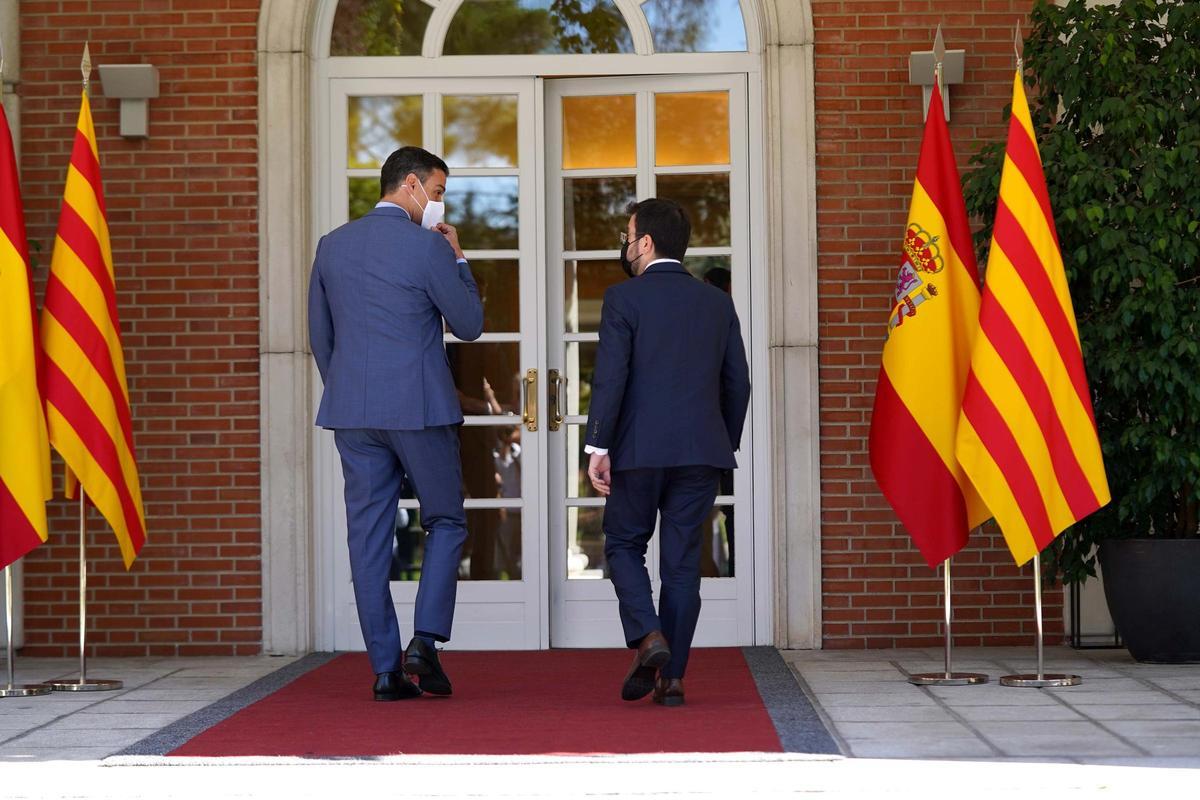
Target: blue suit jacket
(380, 288)
(672, 384)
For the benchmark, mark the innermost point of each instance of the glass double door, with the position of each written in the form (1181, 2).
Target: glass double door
(541, 173)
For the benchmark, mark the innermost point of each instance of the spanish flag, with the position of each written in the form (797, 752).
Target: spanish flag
(87, 401)
(24, 450)
(1027, 436)
(934, 315)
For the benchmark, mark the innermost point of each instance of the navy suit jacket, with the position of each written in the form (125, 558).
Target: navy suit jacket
(380, 288)
(671, 385)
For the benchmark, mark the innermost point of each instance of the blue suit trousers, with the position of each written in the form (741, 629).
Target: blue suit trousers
(683, 497)
(374, 463)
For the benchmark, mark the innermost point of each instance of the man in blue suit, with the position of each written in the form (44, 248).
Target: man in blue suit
(381, 287)
(669, 400)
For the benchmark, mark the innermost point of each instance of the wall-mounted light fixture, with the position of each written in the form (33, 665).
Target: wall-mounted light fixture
(134, 85)
(922, 67)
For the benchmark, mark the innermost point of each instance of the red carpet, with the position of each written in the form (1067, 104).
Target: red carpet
(558, 702)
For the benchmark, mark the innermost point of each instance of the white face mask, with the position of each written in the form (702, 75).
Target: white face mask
(433, 212)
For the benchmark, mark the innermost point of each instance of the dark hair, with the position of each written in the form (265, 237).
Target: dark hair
(405, 160)
(667, 224)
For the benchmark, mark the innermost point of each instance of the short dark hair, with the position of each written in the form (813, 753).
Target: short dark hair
(667, 224)
(405, 160)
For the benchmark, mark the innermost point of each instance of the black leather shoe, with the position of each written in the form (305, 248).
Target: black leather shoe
(395, 686)
(422, 660)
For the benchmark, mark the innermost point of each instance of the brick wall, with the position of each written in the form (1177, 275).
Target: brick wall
(182, 214)
(878, 592)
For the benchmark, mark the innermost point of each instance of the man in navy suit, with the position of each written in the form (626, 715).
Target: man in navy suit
(669, 400)
(381, 287)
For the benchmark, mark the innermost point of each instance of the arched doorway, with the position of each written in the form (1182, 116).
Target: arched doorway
(544, 164)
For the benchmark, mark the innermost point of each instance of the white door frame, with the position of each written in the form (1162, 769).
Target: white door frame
(488, 614)
(584, 612)
(327, 496)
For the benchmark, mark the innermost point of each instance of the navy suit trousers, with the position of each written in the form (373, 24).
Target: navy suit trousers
(374, 463)
(684, 497)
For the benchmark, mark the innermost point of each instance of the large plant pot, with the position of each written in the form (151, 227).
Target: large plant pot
(1153, 592)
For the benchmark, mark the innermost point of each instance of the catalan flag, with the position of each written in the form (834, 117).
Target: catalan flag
(934, 314)
(1027, 437)
(87, 400)
(24, 449)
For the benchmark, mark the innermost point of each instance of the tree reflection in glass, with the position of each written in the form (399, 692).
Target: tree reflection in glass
(492, 27)
(485, 211)
(696, 26)
(379, 28)
(376, 126)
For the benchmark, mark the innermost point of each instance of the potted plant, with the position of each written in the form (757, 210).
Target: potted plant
(1116, 95)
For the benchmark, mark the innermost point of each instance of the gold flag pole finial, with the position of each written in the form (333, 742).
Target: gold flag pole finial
(85, 66)
(939, 56)
(1017, 43)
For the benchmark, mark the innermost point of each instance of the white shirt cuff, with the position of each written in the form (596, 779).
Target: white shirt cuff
(598, 451)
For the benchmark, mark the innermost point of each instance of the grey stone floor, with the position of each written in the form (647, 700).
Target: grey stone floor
(1124, 713)
(84, 726)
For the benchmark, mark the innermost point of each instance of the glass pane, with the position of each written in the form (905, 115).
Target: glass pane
(599, 132)
(696, 26)
(480, 130)
(485, 212)
(711, 269)
(499, 288)
(488, 27)
(376, 126)
(706, 198)
(492, 551)
(491, 460)
(594, 212)
(716, 548)
(379, 28)
(364, 194)
(486, 376)
(580, 367)
(585, 544)
(578, 484)
(691, 128)
(583, 299)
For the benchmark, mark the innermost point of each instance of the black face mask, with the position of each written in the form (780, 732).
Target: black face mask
(626, 264)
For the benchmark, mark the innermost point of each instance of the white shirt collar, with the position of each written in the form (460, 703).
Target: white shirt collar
(660, 261)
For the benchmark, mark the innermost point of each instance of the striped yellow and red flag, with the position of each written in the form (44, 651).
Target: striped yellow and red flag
(24, 449)
(1027, 437)
(87, 399)
(933, 320)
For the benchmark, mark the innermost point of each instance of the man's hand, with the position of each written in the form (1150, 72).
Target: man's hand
(600, 473)
(451, 234)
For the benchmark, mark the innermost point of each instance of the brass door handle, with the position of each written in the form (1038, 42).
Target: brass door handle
(529, 385)
(557, 380)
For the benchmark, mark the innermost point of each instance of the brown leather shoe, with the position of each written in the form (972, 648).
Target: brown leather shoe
(652, 654)
(669, 691)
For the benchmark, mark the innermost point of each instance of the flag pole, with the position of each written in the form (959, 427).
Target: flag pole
(948, 677)
(12, 689)
(1041, 679)
(83, 684)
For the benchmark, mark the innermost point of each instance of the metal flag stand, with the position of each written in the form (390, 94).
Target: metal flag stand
(1041, 679)
(11, 689)
(949, 677)
(83, 684)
